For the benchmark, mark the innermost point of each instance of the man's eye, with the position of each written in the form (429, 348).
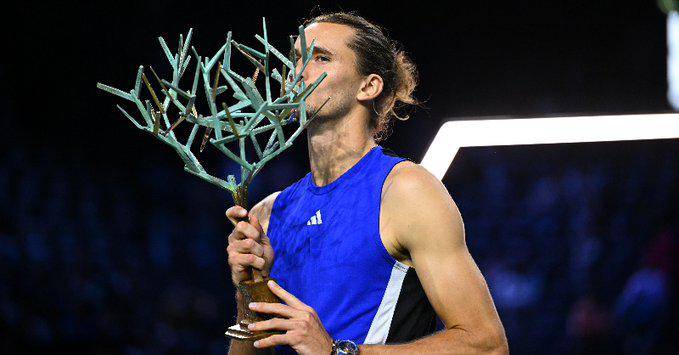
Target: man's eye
(322, 58)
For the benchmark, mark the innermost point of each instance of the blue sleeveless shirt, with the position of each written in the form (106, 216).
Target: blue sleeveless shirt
(328, 253)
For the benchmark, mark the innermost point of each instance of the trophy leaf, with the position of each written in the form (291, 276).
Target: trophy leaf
(230, 128)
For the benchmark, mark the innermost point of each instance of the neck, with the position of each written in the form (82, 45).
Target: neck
(336, 146)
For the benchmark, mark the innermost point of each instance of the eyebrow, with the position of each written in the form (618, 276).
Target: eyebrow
(317, 49)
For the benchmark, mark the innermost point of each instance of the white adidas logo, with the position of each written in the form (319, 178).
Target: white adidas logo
(315, 219)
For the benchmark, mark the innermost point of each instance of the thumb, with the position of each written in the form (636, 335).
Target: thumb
(236, 213)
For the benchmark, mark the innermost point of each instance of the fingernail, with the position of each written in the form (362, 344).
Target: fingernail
(256, 344)
(251, 326)
(271, 283)
(252, 305)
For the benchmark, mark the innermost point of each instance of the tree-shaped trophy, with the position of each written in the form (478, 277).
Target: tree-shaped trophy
(229, 128)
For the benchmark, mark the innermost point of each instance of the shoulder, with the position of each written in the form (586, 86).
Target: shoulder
(262, 210)
(413, 182)
(407, 175)
(418, 204)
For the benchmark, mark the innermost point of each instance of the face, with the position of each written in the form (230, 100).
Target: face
(332, 56)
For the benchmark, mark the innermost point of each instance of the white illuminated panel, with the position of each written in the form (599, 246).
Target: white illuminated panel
(454, 135)
(673, 59)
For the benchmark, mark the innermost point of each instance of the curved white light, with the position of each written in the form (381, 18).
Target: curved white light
(524, 131)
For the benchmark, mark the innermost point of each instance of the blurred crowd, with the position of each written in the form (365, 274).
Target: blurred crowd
(578, 245)
(579, 254)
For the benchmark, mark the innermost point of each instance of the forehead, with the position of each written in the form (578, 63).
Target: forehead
(332, 36)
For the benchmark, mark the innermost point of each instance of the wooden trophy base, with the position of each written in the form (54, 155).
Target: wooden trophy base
(252, 291)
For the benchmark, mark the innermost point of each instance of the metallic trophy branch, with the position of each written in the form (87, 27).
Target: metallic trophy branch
(237, 125)
(229, 128)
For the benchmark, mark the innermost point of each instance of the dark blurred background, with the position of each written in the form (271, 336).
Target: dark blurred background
(107, 246)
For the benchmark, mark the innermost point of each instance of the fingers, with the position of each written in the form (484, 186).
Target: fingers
(239, 261)
(286, 296)
(246, 246)
(248, 230)
(278, 339)
(273, 324)
(255, 222)
(275, 308)
(236, 213)
(244, 230)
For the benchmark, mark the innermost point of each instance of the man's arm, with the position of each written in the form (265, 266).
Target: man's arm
(423, 224)
(261, 212)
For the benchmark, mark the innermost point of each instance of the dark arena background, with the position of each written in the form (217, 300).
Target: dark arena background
(108, 247)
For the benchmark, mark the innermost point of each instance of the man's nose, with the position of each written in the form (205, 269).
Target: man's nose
(297, 71)
(304, 75)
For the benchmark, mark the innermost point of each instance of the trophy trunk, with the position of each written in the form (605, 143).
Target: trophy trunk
(253, 290)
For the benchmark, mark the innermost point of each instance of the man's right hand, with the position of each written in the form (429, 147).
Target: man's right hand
(248, 246)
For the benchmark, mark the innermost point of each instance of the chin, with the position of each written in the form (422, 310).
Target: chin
(311, 110)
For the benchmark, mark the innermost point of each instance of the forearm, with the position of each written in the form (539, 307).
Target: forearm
(450, 341)
(240, 347)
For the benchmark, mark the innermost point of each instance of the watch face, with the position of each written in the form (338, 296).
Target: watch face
(347, 347)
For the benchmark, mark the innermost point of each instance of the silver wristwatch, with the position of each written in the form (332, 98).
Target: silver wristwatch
(344, 347)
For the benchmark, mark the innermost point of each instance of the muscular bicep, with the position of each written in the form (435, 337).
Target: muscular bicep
(455, 287)
(432, 233)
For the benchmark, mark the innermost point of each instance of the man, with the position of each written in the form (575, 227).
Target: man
(368, 248)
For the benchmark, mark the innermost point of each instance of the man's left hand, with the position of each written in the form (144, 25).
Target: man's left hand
(304, 331)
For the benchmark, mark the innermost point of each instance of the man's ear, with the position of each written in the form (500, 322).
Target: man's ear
(371, 87)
